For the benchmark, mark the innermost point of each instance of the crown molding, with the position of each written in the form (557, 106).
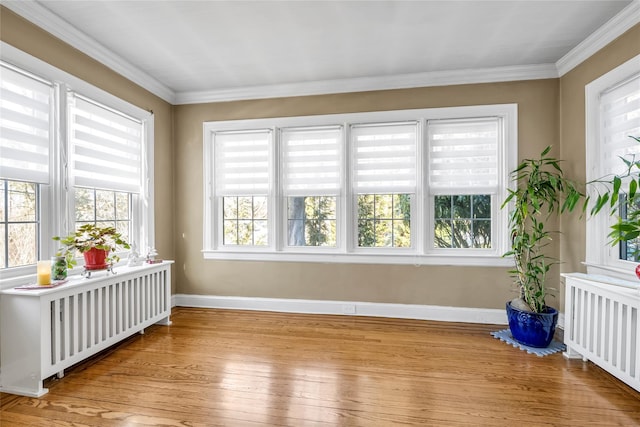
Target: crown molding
(612, 29)
(47, 20)
(52, 23)
(364, 84)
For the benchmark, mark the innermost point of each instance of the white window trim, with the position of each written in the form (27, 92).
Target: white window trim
(601, 256)
(345, 252)
(57, 198)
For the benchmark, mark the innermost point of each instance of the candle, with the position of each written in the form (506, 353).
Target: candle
(44, 272)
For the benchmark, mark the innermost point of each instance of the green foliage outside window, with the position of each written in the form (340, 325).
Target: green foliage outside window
(384, 220)
(462, 221)
(311, 221)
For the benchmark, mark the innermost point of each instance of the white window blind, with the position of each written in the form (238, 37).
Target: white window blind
(463, 156)
(25, 126)
(311, 161)
(384, 158)
(242, 162)
(620, 118)
(106, 147)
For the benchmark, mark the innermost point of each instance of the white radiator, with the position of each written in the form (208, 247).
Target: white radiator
(602, 325)
(45, 331)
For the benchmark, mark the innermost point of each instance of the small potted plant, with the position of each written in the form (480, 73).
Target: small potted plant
(541, 191)
(97, 244)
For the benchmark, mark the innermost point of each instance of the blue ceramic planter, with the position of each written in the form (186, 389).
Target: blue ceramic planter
(532, 329)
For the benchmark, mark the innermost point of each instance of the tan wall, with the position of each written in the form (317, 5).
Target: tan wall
(29, 38)
(550, 111)
(486, 287)
(572, 132)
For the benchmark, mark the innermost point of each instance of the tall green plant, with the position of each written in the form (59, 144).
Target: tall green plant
(541, 191)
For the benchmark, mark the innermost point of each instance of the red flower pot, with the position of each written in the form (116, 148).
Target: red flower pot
(95, 259)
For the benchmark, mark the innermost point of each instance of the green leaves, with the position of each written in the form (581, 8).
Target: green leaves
(601, 201)
(633, 187)
(618, 200)
(617, 182)
(545, 151)
(90, 236)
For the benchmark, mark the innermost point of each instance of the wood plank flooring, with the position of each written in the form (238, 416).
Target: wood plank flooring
(240, 368)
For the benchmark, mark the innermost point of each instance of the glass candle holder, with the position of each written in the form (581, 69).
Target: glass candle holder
(43, 272)
(58, 268)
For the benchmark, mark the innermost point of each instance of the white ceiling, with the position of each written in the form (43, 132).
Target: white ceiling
(190, 50)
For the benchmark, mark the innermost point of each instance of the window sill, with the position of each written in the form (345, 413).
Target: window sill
(26, 279)
(386, 258)
(607, 270)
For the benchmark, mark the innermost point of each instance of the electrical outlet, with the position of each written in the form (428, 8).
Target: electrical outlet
(348, 309)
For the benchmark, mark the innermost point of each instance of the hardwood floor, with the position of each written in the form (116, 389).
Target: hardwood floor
(239, 368)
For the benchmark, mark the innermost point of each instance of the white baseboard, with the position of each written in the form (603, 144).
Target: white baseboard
(347, 308)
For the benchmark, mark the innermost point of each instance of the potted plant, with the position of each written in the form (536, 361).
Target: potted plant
(541, 191)
(97, 244)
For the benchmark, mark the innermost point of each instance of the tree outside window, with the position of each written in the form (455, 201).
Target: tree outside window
(104, 208)
(462, 221)
(245, 221)
(311, 221)
(384, 220)
(19, 223)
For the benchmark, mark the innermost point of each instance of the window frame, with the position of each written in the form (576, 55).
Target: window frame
(283, 203)
(346, 250)
(57, 198)
(601, 257)
(216, 204)
(416, 229)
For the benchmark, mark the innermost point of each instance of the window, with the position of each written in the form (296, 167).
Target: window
(613, 114)
(245, 221)
(462, 221)
(463, 178)
(384, 220)
(409, 186)
(243, 186)
(19, 223)
(71, 154)
(311, 164)
(106, 164)
(25, 141)
(384, 182)
(104, 208)
(311, 221)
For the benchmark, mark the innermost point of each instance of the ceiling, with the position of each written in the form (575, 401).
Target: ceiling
(188, 51)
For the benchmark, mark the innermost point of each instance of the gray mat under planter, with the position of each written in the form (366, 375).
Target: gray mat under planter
(505, 336)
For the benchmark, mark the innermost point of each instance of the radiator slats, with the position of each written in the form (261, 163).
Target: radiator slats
(86, 319)
(601, 324)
